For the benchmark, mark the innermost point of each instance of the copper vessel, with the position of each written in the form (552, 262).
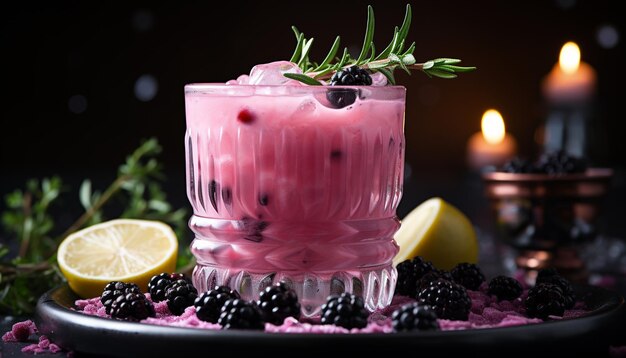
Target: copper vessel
(546, 217)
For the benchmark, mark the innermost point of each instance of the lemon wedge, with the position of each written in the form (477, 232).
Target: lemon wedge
(438, 232)
(117, 250)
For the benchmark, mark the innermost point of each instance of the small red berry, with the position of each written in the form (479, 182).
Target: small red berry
(245, 116)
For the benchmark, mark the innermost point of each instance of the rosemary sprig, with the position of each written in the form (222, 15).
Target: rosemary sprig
(29, 221)
(394, 55)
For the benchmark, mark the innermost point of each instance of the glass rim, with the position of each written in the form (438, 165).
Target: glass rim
(201, 87)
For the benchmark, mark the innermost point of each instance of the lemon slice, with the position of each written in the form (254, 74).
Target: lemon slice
(438, 232)
(117, 250)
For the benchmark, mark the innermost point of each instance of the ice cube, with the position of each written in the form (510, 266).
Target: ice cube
(378, 79)
(272, 73)
(307, 106)
(241, 80)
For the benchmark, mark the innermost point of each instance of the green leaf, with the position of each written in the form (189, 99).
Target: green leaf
(400, 47)
(369, 35)
(324, 72)
(428, 65)
(159, 206)
(389, 74)
(15, 199)
(395, 59)
(344, 59)
(377, 65)
(459, 69)
(410, 50)
(331, 54)
(406, 23)
(394, 43)
(373, 53)
(439, 73)
(303, 78)
(298, 51)
(389, 47)
(446, 61)
(84, 194)
(305, 52)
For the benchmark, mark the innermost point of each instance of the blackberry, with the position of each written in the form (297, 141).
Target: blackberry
(468, 275)
(278, 302)
(564, 285)
(505, 288)
(430, 277)
(409, 274)
(209, 304)
(547, 272)
(115, 289)
(560, 162)
(132, 306)
(448, 299)
(346, 310)
(180, 295)
(158, 284)
(545, 300)
(414, 317)
(518, 166)
(239, 314)
(352, 76)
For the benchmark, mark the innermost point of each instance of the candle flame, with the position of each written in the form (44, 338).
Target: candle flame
(569, 59)
(492, 126)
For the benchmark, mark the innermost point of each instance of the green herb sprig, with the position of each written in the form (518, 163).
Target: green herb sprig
(28, 220)
(396, 54)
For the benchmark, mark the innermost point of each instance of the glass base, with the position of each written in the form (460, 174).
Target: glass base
(376, 285)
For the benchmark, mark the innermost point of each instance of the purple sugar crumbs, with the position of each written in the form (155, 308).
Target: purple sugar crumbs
(44, 346)
(20, 332)
(486, 312)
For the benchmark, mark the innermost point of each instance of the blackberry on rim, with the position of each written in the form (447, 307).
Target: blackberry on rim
(180, 295)
(414, 317)
(239, 314)
(158, 285)
(505, 288)
(132, 307)
(209, 304)
(468, 275)
(345, 310)
(278, 302)
(113, 290)
(448, 299)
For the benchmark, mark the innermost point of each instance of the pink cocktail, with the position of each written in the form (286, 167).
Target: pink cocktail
(286, 187)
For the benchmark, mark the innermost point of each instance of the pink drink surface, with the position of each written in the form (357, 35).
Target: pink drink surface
(281, 183)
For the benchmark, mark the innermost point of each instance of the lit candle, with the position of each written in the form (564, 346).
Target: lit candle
(569, 90)
(492, 146)
(571, 80)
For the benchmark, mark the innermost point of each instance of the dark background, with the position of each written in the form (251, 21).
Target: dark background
(71, 72)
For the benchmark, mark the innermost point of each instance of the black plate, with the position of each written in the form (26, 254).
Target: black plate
(590, 334)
